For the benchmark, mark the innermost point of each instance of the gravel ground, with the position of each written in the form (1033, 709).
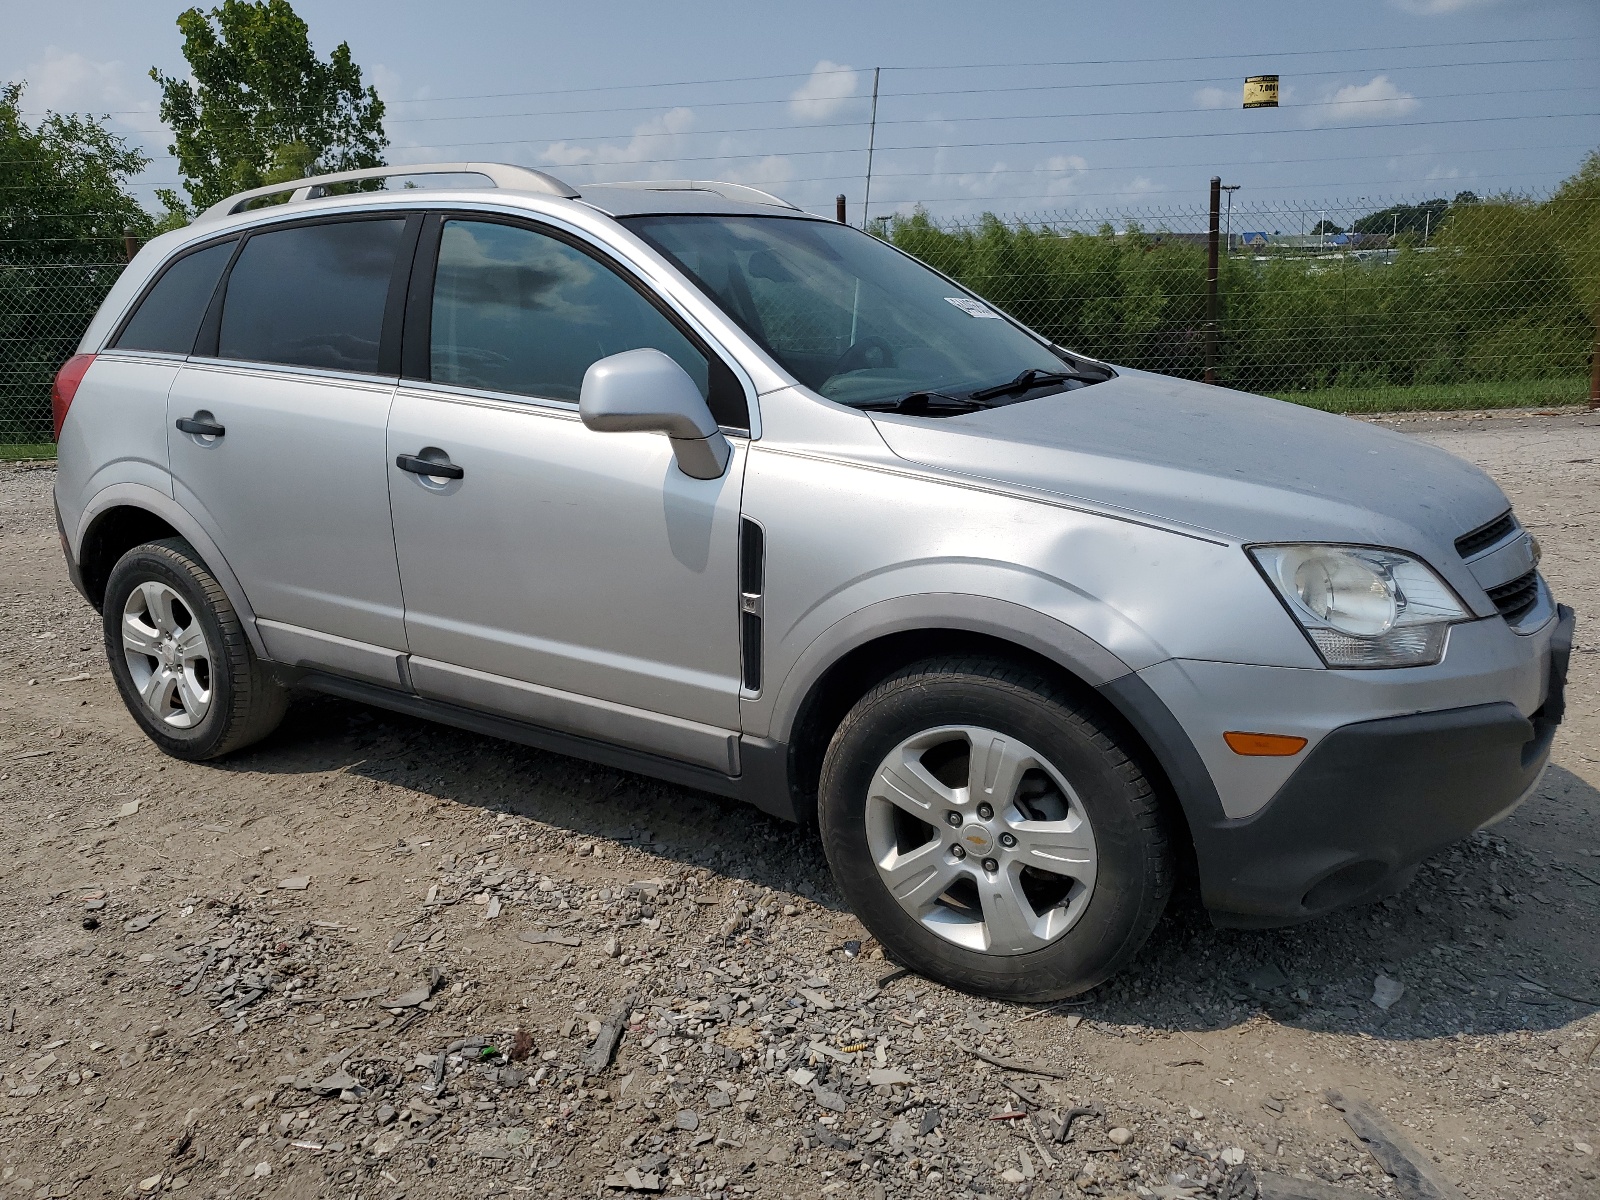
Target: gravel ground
(377, 958)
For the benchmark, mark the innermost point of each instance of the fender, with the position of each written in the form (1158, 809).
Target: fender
(1032, 630)
(138, 495)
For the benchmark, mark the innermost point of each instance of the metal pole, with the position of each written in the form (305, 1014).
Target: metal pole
(838, 209)
(872, 141)
(1211, 279)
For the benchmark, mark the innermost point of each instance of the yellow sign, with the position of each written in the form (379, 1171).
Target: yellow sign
(1261, 91)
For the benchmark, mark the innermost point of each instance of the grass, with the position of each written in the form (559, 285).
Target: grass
(1443, 397)
(19, 453)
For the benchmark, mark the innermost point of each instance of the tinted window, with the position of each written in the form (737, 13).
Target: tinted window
(518, 311)
(312, 295)
(169, 316)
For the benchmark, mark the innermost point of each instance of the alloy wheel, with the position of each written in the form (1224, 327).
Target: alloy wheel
(167, 655)
(981, 839)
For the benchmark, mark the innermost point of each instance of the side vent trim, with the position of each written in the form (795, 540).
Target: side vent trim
(752, 586)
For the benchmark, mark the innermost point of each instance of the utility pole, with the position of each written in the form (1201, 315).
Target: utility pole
(1211, 279)
(872, 141)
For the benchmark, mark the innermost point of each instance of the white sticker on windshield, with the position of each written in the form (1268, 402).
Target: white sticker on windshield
(973, 308)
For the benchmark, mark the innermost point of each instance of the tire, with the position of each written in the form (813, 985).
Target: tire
(200, 692)
(1063, 905)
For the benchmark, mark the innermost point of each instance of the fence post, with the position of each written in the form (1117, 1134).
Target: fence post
(1211, 278)
(130, 244)
(838, 210)
(1594, 370)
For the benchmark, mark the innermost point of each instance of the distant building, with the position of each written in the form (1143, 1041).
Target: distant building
(1253, 239)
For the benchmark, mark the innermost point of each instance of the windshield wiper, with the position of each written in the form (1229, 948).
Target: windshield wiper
(1028, 380)
(926, 401)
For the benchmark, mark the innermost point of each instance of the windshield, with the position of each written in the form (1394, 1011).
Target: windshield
(853, 318)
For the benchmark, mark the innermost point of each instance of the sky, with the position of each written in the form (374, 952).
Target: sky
(1021, 107)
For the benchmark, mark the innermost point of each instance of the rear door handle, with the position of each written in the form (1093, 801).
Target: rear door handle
(199, 427)
(427, 466)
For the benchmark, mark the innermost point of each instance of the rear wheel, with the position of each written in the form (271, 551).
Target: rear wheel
(991, 831)
(180, 658)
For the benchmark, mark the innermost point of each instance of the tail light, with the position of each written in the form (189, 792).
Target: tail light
(66, 387)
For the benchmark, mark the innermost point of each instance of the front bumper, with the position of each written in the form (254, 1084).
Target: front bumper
(1372, 800)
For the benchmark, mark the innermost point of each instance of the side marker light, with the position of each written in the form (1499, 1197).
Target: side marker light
(1270, 745)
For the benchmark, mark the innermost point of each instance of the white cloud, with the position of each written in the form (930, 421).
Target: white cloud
(1372, 101)
(658, 138)
(70, 82)
(1213, 97)
(387, 82)
(824, 92)
(1439, 8)
(770, 171)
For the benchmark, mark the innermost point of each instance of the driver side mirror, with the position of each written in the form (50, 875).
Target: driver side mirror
(644, 390)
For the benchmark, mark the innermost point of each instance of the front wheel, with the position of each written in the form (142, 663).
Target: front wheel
(180, 657)
(992, 831)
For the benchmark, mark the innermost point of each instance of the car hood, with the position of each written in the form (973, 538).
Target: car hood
(1244, 467)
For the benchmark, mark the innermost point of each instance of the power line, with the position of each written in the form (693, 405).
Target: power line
(656, 107)
(1062, 141)
(1141, 112)
(1377, 201)
(1089, 62)
(1165, 164)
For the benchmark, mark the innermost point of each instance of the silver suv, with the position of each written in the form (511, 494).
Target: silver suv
(675, 477)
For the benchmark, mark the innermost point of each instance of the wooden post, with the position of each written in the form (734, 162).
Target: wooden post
(1211, 279)
(1594, 371)
(839, 214)
(130, 244)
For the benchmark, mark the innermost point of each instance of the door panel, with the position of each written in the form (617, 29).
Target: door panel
(295, 493)
(580, 562)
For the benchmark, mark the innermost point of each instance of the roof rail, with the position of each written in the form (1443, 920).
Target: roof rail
(502, 175)
(728, 191)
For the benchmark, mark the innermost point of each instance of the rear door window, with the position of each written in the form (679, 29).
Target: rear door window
(312, 295)
(516, 310)
(168, 318)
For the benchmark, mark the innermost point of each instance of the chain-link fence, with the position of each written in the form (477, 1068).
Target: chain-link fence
(1371, 305)
(1427, 304)
(44, 308)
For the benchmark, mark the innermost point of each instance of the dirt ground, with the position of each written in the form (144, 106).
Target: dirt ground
(368, 958)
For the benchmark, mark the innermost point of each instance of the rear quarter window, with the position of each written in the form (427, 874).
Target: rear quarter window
(168, 318)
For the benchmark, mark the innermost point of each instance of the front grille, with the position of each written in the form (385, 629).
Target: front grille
(1516, 598)
(1485, 536)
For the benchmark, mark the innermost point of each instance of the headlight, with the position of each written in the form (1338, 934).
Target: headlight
(1363, 607)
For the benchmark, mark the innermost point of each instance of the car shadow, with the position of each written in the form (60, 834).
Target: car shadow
(1492, 936)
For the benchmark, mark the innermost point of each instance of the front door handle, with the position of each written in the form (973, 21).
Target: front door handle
(427, 466)
(200, 427)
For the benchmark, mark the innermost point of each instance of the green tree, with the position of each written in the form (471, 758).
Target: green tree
(1575, 213)
(65, 179)
(63, 212)
(1421, 219)
(262, 107)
